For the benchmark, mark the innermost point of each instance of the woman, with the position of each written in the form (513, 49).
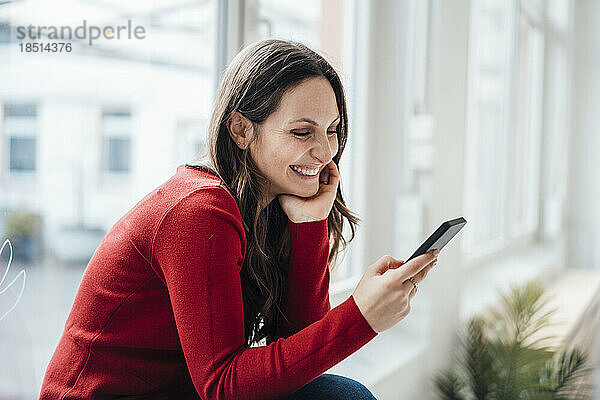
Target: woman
(233, 249)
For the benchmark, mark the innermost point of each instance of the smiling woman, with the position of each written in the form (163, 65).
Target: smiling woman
(286, 110)
(233, 249)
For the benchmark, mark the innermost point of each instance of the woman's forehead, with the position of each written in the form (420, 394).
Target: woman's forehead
(313, 99)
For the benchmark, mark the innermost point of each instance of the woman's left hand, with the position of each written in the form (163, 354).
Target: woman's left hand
(317, 207)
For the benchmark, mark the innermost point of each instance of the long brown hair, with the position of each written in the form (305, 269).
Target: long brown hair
(253, 85)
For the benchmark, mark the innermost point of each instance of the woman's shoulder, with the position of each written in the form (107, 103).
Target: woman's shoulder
(197, 202)
(186, 191)
(197, 188)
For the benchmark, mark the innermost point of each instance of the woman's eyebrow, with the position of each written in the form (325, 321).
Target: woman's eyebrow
(310, 121)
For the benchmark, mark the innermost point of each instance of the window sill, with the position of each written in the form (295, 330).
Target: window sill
(375, 360)
(395, 348)
(481, 291)
(389, 351)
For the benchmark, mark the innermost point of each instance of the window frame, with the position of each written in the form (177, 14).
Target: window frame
(518, 237)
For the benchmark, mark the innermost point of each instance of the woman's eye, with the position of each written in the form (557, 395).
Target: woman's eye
(297, 133)
(306, 133)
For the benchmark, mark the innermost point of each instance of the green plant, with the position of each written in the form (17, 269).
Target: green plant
(23, 223)
(503, 357)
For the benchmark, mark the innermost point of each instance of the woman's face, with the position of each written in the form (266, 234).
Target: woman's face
(301, 133)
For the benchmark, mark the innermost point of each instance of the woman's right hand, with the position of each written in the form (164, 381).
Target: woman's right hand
(383, 294)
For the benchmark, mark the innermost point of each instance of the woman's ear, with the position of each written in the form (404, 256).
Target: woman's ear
(240, 129)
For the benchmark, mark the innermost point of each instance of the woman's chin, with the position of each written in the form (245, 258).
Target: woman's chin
(304, 187)
(304, 192)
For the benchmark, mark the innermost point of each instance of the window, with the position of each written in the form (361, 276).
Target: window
(558, 16)
(192, 135)
(504, 155)
(105, 111)
(116, 126)
(526, 145)
(20, 130)
(4, 32)
(490, 55)
(417, 145)
(298, 21)
(556, 118)
(322, 25)
(421, 56)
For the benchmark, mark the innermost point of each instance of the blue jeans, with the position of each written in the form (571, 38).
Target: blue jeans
(332, 387)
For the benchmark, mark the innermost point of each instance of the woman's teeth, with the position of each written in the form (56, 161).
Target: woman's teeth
(304, 171)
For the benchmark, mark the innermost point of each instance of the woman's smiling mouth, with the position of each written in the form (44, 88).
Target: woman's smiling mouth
(305, 172)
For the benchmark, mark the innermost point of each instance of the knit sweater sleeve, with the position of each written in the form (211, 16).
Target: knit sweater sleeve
(197, 252)
(307, 298)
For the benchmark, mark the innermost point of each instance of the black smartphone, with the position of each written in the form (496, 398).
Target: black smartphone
(440, 237)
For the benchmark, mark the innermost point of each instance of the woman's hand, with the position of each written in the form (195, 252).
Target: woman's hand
(317, 207)
(384, 293)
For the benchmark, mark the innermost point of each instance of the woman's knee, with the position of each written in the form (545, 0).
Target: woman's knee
(331, 386)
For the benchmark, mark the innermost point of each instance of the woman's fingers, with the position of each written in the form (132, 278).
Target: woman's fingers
(324, 175)
(413, 267)
(333, 169)
(412, 294)
(418, 278)
(330, 177)
(421, 275)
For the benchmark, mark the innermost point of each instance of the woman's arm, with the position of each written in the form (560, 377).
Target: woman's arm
(197, 251)
(307, 295)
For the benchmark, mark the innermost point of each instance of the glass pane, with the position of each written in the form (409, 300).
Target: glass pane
(558, 13)
(555, 164)
(118, 155)
(191, 137)
(19, 110)
(20, 130)
(117, 133)
(300, 21)
(527, 135)
(491, 37)
(5, 33)
(117, 123)
(22, 154)
(111, 102)
(420, 62)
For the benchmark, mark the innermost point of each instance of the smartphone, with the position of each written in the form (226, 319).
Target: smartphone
(440, 237)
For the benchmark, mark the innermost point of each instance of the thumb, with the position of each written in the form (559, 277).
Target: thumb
(385, 263)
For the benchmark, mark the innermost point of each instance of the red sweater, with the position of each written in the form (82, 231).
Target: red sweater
(158, 313)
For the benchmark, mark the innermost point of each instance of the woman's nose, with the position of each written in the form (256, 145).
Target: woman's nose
(323, 150)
